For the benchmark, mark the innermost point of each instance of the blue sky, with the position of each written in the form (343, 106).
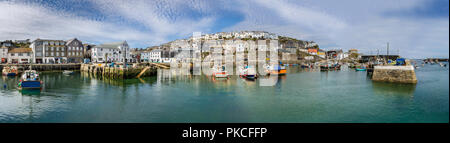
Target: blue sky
(414, 28)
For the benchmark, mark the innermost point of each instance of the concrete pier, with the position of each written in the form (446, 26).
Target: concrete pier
(397, 74)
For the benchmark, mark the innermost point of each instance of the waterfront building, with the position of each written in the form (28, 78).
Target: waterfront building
(19, 55)
(155, 55)
(4, 54)
(312, 51)
(321, 54)
(145, 56)
(135, 55)
(49, 51)
(87, 52)
(75, 51)
(335, 54)
(111, 52)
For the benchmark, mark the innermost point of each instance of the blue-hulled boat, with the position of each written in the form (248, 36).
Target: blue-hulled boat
(10, 71)
(249, 72)
(30, 80)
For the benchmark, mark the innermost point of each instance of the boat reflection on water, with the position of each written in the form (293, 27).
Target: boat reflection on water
(394, 89)
(167, 76)
(31, 92)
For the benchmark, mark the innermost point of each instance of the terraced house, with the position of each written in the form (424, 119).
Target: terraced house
(75, 51)
(19, 55)
(57, 51)
(49, 51)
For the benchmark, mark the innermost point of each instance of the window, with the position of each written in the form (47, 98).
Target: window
(78, 48)
(70, 48)
(51, 54)
(12, 54)
(20, 54)
(71, 54)
(57, 53)
(62, 54)
(46, 54)
(53, 48)
(46, 48)
(62, 49)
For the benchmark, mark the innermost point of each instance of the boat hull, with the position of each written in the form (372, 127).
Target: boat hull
(357, 69)
(220, 75)
(249, 76)
(9, 74)
(68, 73)
(30, 85)
(278, 72)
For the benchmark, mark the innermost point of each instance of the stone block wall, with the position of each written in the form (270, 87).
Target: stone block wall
(397, 74)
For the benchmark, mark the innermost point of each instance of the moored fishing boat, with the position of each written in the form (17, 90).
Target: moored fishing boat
(10, 71)
(328, 67)
(361, 68)
(219, 72)
(30, 80)
(279, 69)
(248, 72)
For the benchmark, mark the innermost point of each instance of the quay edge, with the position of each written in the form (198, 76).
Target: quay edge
(396, 74)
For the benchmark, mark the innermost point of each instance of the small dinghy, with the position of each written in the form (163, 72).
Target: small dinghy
(361, 69)
(67, 72)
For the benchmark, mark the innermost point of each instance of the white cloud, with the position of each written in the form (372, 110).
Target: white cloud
(350, 24)
(346, 24)
(21, 21)
(30, 21)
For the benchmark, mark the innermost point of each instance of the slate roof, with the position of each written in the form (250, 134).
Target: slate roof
(20, 50)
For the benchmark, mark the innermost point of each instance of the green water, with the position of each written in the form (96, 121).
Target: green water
(300, 96)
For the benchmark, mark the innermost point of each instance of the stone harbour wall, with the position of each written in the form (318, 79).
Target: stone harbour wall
(116, 72)
(44, 67)
(397, 74)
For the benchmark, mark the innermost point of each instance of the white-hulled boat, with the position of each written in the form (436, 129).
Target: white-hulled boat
(219, 72)
(67, 72)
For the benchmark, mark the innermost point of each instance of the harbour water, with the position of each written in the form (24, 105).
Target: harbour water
(300, 96)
